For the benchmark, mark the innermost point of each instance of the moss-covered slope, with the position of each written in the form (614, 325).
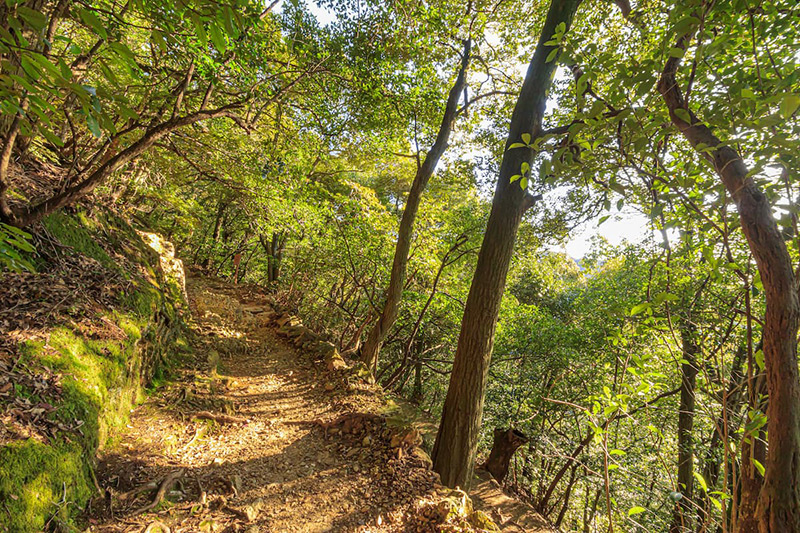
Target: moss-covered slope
(98, 322)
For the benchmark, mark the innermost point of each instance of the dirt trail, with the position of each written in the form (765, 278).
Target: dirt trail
(260, 437)
(276, 472)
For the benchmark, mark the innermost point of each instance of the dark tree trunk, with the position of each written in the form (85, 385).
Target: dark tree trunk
(215, 233)
(372, 346)
(456, 442)
(416, 396)
(778, 507)
(506, 442)
(276, 255)
(683, 514)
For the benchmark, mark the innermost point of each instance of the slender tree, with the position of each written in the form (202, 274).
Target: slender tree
(456, 442)
(371, 348)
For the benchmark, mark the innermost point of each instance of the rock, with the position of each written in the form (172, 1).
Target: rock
(285, 319)
(420, 455)
(251, 511)
(329, 386)
(407, 437)
(481, 520)
(334, 362)
(256, 309)
(325, 348)
(361, 371)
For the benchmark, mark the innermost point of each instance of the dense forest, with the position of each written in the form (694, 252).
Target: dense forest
(404, 175)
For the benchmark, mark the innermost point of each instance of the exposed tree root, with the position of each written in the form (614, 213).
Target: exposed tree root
(162, 490)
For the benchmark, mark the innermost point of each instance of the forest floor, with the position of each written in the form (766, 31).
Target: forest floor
(249, 437)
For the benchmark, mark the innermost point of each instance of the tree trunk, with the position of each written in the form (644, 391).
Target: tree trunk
(215, 233)
(506, 443)
(754, 448)
(456, 442)
(778, 508)
(275, 256)
(683, 514)
(371, 348)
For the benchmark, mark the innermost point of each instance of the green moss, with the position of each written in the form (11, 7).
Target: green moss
(74, 232)
(39, 481)
(101, 378)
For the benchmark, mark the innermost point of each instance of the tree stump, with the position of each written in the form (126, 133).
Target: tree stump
(506, 442)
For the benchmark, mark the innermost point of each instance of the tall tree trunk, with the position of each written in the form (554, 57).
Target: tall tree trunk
(779, 499)
(215, 233)
(754, 448)
(456, 442)
(275, 255)
(683, 514)
(371, 348)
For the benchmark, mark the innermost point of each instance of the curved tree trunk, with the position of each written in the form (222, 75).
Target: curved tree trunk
(371, 348)
(778, 509)
(457, 440)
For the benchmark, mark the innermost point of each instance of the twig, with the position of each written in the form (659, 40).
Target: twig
(223, 419)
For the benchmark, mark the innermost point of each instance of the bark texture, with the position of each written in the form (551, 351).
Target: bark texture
(456, 442)
(683, 516)
(778, 508)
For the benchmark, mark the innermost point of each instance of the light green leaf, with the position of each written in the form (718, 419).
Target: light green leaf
(90, 19)
(759, 466)
(684, 115)
(34, 18)
(790, 104)
(676, 52)
(701, 481)
(636, 510)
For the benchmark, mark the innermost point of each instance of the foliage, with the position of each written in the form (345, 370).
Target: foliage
(14, 246)
(304, 172)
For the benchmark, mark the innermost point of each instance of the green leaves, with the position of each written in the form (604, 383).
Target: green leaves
(34, 18)
(633, 511)
(526, 142)
(14, 246)
(93, 21)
